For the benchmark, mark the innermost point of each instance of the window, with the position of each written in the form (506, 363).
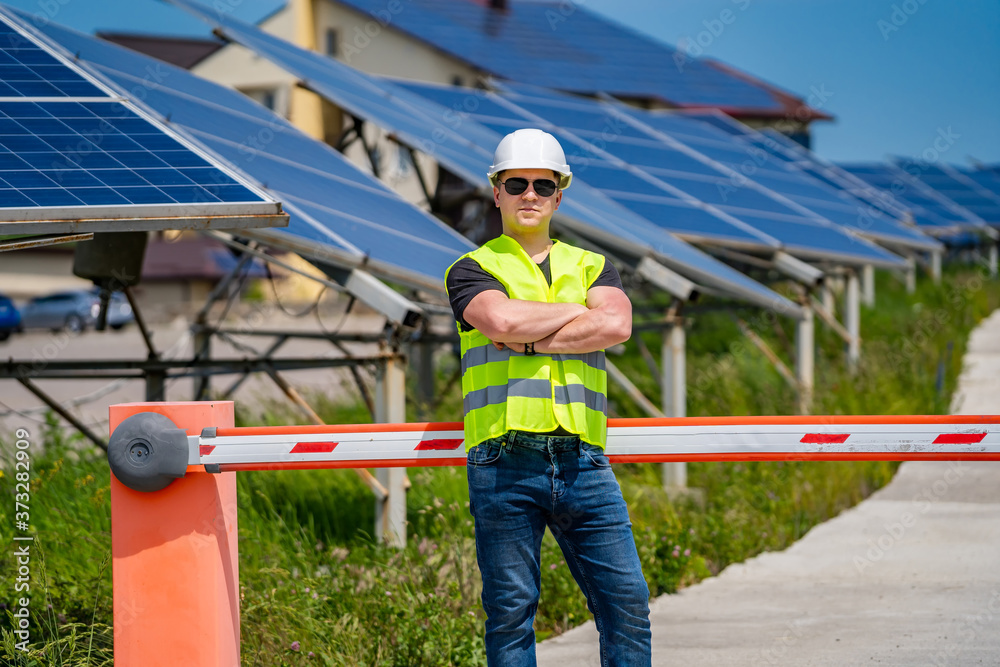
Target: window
(332, 42)
(265, 96)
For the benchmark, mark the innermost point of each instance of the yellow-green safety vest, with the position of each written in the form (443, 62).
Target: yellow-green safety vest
(505, 390)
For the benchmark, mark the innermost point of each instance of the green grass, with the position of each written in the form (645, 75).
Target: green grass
(312, 581)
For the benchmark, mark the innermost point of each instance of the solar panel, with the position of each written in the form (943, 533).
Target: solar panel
(339, 214)
(76, 156)
(561, 45)
(26, 70)
(931, 209)
(987, 179)
(955, 186)
(576, 119)
(615, 180)
(774, 161)
(451, 135)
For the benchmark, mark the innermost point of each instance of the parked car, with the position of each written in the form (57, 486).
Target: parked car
(74, 311)
(10, 317)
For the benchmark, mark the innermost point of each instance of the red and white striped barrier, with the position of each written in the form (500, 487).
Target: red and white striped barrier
(897, 438)
(171, 518)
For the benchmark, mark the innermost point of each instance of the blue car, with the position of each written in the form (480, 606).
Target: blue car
(10, 317)
(74, 311)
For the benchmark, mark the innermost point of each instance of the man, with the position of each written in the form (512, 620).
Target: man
(535, 316)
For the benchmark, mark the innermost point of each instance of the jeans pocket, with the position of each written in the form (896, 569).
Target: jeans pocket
(595, 455)
(486, 453)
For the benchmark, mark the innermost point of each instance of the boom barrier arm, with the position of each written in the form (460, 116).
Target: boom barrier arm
(174, 505)
(811, 438)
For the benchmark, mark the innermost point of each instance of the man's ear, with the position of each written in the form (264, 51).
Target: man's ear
(496, 197)
(558, 200)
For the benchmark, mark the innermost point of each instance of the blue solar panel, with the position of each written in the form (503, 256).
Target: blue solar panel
(791, 171)
(100, 153)
(27, 70)
(77, 150)
(987, 179)
(930, 209)
(601, 124)
(614, 179)
(957, 187)
(336, 211)
(562, 45)
(443, 129)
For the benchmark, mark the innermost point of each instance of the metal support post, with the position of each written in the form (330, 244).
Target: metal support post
(202, 350)
(868, 285)
(992, 259)
(936, 267)
(673, 381)
(911, 275)
(827, 299)
(422, 363)
(852, 320)
(390, 408)
(805, 357)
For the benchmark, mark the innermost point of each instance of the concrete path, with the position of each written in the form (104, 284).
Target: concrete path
(911, 576)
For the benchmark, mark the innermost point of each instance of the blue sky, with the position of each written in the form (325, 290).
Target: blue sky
(897, 74)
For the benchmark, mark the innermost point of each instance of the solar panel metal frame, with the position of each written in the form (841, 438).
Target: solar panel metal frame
(266, 212)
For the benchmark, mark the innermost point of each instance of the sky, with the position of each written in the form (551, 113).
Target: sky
(906, 78)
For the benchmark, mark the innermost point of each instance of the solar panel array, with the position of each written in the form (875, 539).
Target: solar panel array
(957, 187)
(988, 179)
(466, 148)
(338, 213)
(774, 160)
(930, 209)
(70, 148)
(562, 45)
(673, 171)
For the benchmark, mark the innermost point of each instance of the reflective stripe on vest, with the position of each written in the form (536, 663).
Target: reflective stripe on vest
(504, 390)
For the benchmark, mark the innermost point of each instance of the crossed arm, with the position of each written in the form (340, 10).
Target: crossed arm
(555, 328)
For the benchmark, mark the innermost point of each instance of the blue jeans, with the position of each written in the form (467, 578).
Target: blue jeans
(520, 483)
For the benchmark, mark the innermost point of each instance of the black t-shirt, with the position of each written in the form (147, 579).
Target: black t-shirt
(467, 279)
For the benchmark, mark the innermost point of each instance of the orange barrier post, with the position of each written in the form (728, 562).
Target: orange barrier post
(175, 558)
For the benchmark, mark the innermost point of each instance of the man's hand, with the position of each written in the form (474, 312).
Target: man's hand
(516, 347)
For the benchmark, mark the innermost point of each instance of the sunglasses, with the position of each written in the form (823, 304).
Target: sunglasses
(543, 187)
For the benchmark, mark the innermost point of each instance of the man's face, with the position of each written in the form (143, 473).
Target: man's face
(527, 212)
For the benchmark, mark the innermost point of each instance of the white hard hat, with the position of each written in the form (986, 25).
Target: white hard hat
(530, 149)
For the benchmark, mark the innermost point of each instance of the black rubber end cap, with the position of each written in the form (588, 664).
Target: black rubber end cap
(147, 452)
